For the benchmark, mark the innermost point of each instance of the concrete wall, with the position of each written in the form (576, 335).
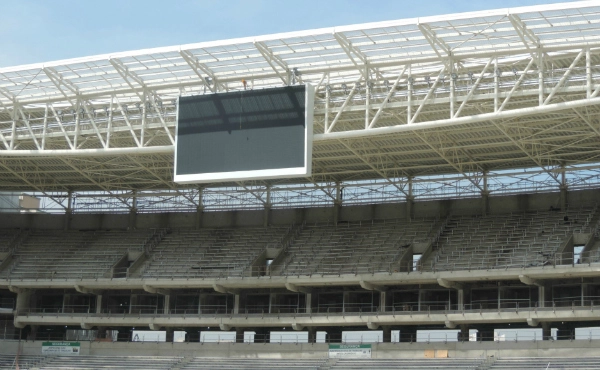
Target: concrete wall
(434, 208)
(579, 348)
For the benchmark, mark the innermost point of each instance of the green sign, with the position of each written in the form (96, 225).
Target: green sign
(61, 348)
(349, 351)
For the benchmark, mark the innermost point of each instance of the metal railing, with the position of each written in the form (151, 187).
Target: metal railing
(590, 303)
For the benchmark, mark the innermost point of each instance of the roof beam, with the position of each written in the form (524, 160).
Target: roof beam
(438, 45)
(329, 127)
(473, 88)
(453, 160)
(387, 98)
(9, 96)
(60, 124)
(374, 168)
(352, 52)
(59, 81)
(428, 96)
(527, 152)
(33, 137)
(201, 70)
(274, 61)
(483, 117)
(61, 84)
(564, 77)
(529, 39)
(128, 75)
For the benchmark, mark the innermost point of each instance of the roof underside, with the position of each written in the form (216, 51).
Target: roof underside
(458, 94)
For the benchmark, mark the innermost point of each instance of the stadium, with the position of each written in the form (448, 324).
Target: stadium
(416, 194)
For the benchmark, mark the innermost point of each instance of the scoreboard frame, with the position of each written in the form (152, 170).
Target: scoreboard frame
(256, 174)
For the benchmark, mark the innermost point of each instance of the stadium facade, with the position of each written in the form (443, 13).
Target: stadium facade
(455, 164)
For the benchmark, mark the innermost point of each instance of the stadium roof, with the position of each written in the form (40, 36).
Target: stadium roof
(454, 94)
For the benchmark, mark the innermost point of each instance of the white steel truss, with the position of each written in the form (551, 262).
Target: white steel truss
(461, 94)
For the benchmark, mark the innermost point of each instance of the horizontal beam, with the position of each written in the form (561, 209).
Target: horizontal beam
(165, 149)
(379, 131)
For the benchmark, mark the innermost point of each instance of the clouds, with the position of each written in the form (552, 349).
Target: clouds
(37, 30)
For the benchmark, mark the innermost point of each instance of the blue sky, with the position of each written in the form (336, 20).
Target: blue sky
(35, 31)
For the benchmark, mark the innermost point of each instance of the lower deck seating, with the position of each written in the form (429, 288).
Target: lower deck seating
(550, 363)
(408, 364)
(258, 364)
(25, 362)
(110, 362)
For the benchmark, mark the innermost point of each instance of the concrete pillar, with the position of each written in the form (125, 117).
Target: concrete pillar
(485, 195)
(133, 301)
(267, 208)
(201, 303)
(387, 334)
(312, 334)
(563, 189)
(345, 300)
(68, 217)
(460, 294)
(337, 204)
(101, 332)
(410, 199)
(308, 302)
(133, 212)
(541, 296)
(463, 334)
(383, 302)
(408, 334)
(169, 335)
(99, 303)
(167, 304)
(239, 335)
(485, 203)
(199, 217)
(68, 211)
(33, 332)
(273, 303)
(266, 215)
(236, 303)
(66, 303)
(563, 198)
(546, 331)
(23, 300)
(200, 208)
(409, 208)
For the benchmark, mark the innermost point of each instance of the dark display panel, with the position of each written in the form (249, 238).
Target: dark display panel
(244, 135)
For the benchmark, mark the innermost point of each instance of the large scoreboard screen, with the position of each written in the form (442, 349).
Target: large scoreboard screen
(242, 135)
